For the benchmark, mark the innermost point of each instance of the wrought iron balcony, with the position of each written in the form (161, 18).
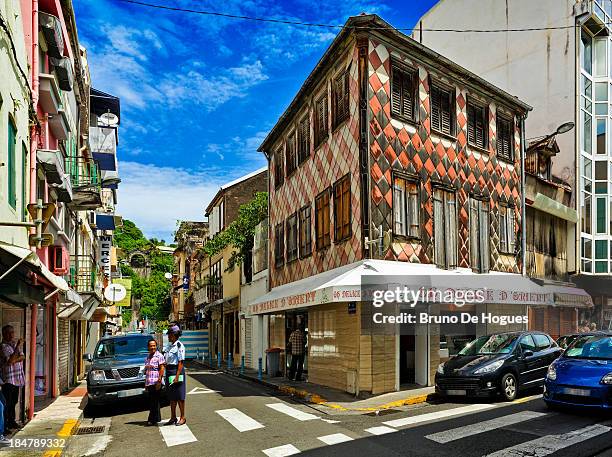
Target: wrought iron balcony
(83, 273)
(86, 183)
(215, 292)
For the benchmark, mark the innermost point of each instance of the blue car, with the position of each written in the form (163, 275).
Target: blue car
(582, 376)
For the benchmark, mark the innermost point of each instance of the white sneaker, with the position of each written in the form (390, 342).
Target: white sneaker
(4, 441)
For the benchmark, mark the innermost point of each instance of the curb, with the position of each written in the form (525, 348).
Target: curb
(316, 399)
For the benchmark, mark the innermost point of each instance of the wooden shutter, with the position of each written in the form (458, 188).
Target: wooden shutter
(450, 229)
(445, 113)
(396, 91)
(12, 173)
(407, 96)
(480, 132)
(399, 205)
(471, 127)
(436, 116)
(413, 210)
(439, 243)
(474, 254)
(484, 236)
(346, 207)
(504, 139)
(326, 220)
(503, 229)
(511, 229)
(321, 119)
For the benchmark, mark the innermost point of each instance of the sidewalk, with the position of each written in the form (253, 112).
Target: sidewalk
(327, 399)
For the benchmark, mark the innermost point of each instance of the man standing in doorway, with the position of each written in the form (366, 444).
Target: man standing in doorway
(297, 341)
(12, 373)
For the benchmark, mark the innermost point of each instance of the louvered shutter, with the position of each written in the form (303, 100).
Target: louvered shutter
(345, 97)
(503, 230)
(474, 234)
(396, 92)
(471, 127)
(407, 96)
(413, 209)
(398, 207)
(346, 209)
(439, 251)
(480, 138)
(451, 231)
(511, 229)
(484, 237)
(445, 113)
(435, 109)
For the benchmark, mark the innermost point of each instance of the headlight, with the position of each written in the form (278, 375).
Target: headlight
(441, 368)
(96, 375)
(490, 368)
(552, 373)
(607, 379)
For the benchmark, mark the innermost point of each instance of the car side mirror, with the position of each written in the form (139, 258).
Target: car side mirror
(88, 357)
(527, 354)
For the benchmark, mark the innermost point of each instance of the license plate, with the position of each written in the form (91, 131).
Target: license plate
(456, 392)
(130, 392)
(579, 392)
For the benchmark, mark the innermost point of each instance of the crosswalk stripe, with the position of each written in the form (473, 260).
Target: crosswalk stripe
(380, 430)
(438, 415)
(173, 435)
(281, 451)
(330, 421)
(293, 412)
(481, 427)
(239, 420)
(549, 444)
(335, 438)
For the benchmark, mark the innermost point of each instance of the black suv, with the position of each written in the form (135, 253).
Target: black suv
(117, 368)
(501, 363)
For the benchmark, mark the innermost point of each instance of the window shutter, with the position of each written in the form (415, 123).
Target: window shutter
(484, 237)
(471, 127)
(439, 242)
(503, 230)
(511, 228)
(414, 219)
(474, 234)
(445, 113)
(345, 96)
(398, 207)
(451, 231)
(346, 210)
(435, 109)
(480, 134)
(407, 96)
(396, 92)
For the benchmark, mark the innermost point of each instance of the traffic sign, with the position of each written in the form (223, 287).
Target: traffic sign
(47, 211)
(46, 240)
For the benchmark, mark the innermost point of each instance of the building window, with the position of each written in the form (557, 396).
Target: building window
(303, 140)
(445, 228)
(442, 110)
(506, 229)
(479, 235)
(406, 208)
(601, 256)
(279, 244)
(504, 139)
(340, 97)
(24, 181)
(321, 121)
(279, 172)
(292, 238)
(290, 154)
(342, 209)
(477, 125)
(305, 232)
(12, 166)
(322, 219)
(403, 91)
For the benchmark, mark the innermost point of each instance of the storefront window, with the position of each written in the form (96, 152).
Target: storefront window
(41, 384)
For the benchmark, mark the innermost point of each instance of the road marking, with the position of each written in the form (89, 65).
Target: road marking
(204, 372)
(201, 390)
(526, 399)
(438, 415)
(335, 438)
(293, 412)
(281, 451)
(239, 420)
(329, 421)
(549, 444)
(481, 427)
(380, 430)
(173, 435)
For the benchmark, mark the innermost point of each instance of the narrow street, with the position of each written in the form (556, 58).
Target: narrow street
(227, 416)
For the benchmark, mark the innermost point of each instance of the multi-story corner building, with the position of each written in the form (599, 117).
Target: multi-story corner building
(568, 62)
(390, 160)
(222, 308)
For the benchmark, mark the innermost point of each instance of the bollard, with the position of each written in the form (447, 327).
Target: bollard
(219, 359)
(259, 375)
(242, 365)
(229, 360)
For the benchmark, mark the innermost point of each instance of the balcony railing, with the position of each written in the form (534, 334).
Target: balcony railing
(215, 292)
(86, 183)
(83, 273)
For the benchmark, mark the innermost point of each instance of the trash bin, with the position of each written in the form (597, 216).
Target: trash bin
(273, 361)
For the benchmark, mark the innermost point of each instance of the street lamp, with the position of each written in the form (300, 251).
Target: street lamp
(564, 128)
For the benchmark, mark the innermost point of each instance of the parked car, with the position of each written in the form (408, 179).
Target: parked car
(117, 368)
(582, 376)
(565, 340)
(501, 363)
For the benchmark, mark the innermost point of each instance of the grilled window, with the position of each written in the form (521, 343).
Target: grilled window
(322, 219)
(340, 96)
(506, 229)
(305, 232)
(406, 208)
(292, 237)
(445, 228)
(279, 172)
(402, 93)
(479, 235)
(476, 125)
(442, 110)
(504, 139)
(279, 244)
(321, 120)
(342, 209)
(290, 154)
(303, 140)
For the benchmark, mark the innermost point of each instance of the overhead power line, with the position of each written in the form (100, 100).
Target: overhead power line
(333, 26)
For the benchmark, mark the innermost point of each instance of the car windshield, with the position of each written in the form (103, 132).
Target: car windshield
(591, 347)
(122, 346)
(501, 343)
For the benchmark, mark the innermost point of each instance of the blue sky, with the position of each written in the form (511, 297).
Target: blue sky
(199, 93)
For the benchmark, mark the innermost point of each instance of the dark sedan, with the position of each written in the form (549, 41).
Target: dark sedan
(501, 363)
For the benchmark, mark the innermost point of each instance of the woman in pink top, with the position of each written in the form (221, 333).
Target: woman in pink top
(154, 374)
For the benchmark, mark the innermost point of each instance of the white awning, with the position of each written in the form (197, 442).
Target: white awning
(30, 257)
(569, 296)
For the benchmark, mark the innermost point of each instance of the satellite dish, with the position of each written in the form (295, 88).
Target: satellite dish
(115, 292)
(168, 275)
(108, 119)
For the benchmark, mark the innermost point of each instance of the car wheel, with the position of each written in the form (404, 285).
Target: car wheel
(509, 387)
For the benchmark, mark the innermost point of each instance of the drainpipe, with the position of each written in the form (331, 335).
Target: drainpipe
(523, 208)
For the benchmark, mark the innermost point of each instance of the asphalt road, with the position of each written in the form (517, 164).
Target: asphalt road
(231, 417)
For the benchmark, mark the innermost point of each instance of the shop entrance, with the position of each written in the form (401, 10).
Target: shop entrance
(294, 320)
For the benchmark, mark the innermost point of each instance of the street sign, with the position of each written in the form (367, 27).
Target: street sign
(47, 211)
(115, 292)
(41, 214)
(47, 240)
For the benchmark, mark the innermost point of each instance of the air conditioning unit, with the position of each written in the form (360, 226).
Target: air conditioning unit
(59, 259)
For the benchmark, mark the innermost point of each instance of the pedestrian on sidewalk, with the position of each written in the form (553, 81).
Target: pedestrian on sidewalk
(3, 440)
(297, 342)
(175, 375)
(12, 373)
(154, 375)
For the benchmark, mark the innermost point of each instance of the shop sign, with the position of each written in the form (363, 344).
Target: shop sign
(105, 243)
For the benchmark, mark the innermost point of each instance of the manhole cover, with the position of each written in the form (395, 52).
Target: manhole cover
(90, 430)
(382, 412)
